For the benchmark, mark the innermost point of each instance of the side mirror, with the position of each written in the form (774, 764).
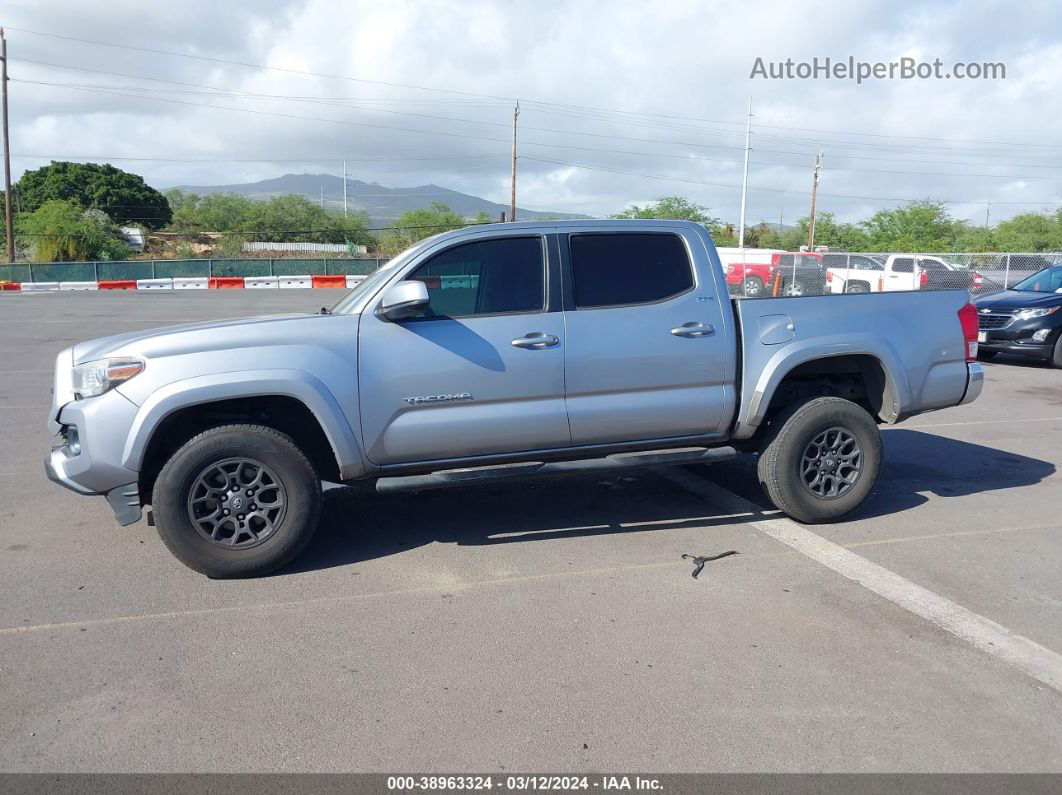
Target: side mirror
(403, 300)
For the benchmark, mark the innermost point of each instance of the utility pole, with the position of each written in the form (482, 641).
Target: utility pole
(9, 231)
(988, 211)
(322, 197)
(745, 177)
(814, 193)
(512, 196)
(344, 187)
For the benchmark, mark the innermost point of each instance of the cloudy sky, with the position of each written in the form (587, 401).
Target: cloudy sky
(620, 101)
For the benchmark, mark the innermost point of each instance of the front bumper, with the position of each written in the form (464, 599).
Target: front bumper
(94, 464)
(1017, 337)
(1019, 347)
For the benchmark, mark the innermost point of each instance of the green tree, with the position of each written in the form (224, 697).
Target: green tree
(670, 208)
(280, 219)
(414, 225)
(124, 197)
(917, 226)
(1030, 232)
(61, 231)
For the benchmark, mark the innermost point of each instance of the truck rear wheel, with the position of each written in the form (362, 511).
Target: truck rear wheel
(237, 501)
(820, 459)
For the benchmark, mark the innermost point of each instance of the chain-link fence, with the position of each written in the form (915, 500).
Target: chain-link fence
(765, 273)
(102, 271)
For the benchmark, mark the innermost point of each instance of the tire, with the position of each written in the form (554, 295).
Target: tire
(1056, 355)
(987, 356)
(858, 287)
(794, 289)
(793, 434)
(204, 470)
(752, 285)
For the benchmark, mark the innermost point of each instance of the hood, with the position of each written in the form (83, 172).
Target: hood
(188, 337)
(1017, 299)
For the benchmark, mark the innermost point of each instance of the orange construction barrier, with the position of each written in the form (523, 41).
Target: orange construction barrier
(330, 281)
(121, 284)
(226, 283)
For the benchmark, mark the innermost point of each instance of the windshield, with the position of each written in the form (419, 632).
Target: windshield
(366, 285)
(1049, 280)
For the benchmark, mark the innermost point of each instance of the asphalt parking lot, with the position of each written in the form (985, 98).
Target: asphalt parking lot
(548, 626)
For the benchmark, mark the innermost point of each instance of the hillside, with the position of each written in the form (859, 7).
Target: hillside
(383, 204)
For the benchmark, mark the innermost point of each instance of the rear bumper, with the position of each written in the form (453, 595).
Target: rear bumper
(975, 381)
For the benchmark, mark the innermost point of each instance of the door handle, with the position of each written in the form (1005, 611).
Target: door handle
(693, 329)
(536, 341)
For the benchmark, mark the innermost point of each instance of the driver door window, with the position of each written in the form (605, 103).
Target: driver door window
(488, 277)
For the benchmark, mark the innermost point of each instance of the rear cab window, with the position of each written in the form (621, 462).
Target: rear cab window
(628, 268)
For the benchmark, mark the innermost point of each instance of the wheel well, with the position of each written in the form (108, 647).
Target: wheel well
(859, 377)
(285, 414)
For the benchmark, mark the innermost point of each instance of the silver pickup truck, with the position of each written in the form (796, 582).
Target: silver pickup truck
(499, 352)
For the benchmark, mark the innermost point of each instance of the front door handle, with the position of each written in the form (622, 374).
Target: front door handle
(536, 341)
(693, 329)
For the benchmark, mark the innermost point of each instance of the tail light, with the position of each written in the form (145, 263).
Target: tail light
(829, 276)
(978, 279)
(968, 319)
(923, 278)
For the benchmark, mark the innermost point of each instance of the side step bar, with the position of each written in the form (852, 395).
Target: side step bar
(538, 469)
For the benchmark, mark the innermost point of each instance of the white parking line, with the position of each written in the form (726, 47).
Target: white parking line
(1016, 650)
(978, 422)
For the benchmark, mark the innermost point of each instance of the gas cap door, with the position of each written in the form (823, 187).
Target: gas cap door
(775, 329)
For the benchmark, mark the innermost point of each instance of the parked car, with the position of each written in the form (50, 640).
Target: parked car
(898, 272)
(1026, 319)
(499, 352)
(798, 274)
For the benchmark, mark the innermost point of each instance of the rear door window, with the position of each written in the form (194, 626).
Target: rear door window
(625, 269)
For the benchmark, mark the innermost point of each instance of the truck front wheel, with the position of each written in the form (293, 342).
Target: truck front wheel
(820, 459)
(237, 501)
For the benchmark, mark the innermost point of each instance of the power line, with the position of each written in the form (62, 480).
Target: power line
(769, 190)
(559, 145)
(457, 92)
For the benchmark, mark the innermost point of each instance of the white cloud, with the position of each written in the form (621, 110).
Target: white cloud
(679, 61)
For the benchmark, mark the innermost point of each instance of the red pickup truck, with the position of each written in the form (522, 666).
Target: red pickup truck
(751, 271)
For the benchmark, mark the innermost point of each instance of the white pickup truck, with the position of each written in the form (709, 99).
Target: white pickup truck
(862, 273)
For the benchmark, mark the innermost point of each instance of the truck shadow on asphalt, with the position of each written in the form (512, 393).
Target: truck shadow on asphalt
(357, 524)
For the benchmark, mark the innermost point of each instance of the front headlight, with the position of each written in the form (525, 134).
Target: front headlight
(95, 378)
(1029, 314)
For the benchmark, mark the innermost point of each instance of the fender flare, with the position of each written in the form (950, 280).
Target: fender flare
(298, 384)
(754, 407)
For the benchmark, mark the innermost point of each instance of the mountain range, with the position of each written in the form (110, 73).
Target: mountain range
(383, 204)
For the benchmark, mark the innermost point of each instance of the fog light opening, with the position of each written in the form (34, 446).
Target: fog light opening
(73, 442)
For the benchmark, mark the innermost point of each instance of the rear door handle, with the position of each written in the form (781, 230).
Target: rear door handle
(693, 329)
(536, 341)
